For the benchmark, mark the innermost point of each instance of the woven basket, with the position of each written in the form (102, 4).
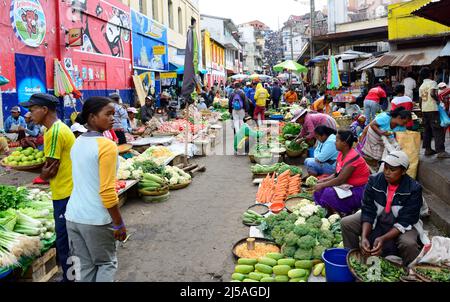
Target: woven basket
(180, 186)
(23, 168)
(343, 121)
(291, 153)
(159, 192)
(423, 277)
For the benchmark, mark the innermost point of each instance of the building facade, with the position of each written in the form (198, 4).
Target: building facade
(213, 60)
(253, 39)
(225, 32)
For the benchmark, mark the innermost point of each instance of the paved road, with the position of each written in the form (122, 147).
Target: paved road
(189, 237)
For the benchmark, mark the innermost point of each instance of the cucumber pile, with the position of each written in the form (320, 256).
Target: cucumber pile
(152, 182)
(251, 217)
(274, 267)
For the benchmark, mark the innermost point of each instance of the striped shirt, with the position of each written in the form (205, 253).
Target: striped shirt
(94, 177)
(58, 141)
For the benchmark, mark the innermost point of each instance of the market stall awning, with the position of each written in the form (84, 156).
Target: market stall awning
(367, 64)
(436, 10)
(410, 57)
(174, 67)
(353, 55)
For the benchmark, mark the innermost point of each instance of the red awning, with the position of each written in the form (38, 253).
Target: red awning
(436, 10)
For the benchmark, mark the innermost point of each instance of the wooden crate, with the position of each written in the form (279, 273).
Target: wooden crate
(42, 269)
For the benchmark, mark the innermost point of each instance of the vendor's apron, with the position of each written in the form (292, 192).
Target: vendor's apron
(385, 223)
(13, 136)
(374, 145)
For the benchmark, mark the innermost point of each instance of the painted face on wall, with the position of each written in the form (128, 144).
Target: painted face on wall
(112, 34)
(30, 18)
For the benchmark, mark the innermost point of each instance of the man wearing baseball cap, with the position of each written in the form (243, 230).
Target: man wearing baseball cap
(389, 221)
(58, 141)
(120, 118)
(13, 125)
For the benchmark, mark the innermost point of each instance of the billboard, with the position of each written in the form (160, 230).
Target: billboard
(149, 41)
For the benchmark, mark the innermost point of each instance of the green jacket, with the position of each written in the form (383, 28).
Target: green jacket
(245, 132)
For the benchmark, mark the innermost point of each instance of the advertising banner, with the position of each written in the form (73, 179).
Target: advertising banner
(30, 76)
(149, 41)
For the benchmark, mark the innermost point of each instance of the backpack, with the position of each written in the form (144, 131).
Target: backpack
(237, 101)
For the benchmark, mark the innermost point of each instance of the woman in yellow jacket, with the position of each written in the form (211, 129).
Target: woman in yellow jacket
(261, 96)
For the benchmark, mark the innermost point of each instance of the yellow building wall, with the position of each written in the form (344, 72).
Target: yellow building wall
(403, 25)
(207, 48)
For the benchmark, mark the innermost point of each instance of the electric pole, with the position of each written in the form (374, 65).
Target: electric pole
(292, 42)
(311, 44)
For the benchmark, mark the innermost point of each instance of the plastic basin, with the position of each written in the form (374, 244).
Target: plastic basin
(277, 207)
(336, 265)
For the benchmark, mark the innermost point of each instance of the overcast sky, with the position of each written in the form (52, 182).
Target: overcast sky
(268, 11)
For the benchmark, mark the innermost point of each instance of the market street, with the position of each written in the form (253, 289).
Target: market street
(189, 238)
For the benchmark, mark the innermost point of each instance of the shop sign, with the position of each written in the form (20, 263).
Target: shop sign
(28, 21)
(75, 37)
(159, 50)
(168, 75)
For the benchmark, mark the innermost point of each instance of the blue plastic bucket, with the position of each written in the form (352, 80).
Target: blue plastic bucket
(336, 267)
(311, 152)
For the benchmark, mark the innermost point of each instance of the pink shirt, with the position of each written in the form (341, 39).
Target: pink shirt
(360, 176)
(312, 120)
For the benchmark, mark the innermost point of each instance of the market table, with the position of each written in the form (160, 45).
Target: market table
(123, 194)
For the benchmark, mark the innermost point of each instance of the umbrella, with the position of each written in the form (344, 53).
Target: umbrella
(63, 82)
(333, 80)
(291, 66)
(261, 77)
(239, 77)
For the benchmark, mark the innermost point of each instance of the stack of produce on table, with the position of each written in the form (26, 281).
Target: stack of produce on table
(152, 182)
(26, 217)
(179, 126)
(277, 191)
(220, 103)
(120, 185)
(276, 267)
(278, 168)
(261, 151)
(177, 176)
(25, 157)
(389, 271)
(304, 234)
(151, 161)
(291, 130)
(251, 217)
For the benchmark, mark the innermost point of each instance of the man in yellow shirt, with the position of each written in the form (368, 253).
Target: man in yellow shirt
(58, 141)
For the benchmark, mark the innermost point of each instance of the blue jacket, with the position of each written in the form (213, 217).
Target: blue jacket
(276, 93)
(326, 151)
(251, 95)
(405, 206)
(12, 121)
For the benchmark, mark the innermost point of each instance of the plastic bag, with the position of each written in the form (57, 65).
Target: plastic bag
(409, 142)
(445, 119)
(438, 252)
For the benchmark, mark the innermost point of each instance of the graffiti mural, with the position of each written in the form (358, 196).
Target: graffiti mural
(28, 21)
(106, 28)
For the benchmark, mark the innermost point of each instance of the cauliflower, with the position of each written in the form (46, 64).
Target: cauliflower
(300, 220)
(123, 174)
(333, 218)
(325, 224)
(137, 174)
(173, 181)
(308, 210)
(311, 181)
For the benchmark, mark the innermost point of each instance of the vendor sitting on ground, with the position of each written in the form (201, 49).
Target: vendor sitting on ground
(357, 127)
(13, 124)
(342, 192)
(244, 135)
(388, 220)
(310, 120)
(34, 137)
(323, 104)
(133, 124)
(325, 154)
(148, 110)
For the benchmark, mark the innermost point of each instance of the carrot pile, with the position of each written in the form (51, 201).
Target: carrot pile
(272, 191)
(294, 185)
